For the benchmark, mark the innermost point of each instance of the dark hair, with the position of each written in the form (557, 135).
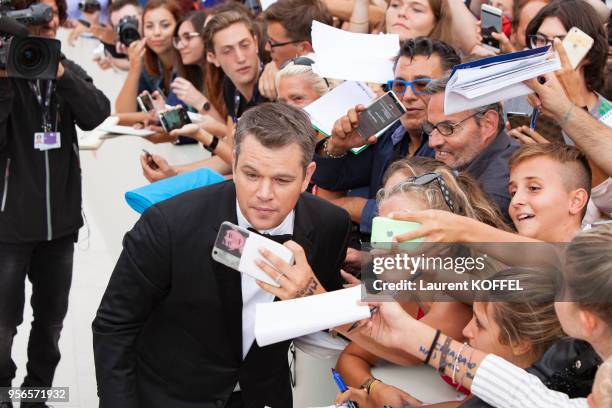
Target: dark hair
(276, 125)
(117, 5)
(62, 7)
(151, 61)
(426, 47)
(580, 14)
(193, 73)
(296, 16)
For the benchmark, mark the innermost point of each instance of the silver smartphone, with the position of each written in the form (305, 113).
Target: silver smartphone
(238, 248)
(381, 113)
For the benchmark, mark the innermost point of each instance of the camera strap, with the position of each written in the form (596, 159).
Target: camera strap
(45, 101)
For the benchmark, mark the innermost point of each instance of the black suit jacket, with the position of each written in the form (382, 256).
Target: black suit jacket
(168, 332)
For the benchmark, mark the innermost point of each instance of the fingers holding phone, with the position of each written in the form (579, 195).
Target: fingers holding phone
(155, 167)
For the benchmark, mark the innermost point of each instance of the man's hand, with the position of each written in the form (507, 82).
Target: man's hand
(549, 97)
(267, 81)
(164, 170)
(345, 135)
(526, 135)
(186, 92)
(384, 394)
(60, 71)
(136, 52)
(295, 281)
(569, 77)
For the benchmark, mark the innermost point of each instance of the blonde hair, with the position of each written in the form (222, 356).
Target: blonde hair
(467, 197)
(315, 81)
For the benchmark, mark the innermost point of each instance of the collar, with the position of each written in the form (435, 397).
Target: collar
(478, 165)
(284, 228)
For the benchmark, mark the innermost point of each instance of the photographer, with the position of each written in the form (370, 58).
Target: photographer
(40, 202)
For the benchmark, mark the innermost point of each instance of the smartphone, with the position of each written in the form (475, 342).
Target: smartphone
(384, 229)
(577, 45)
(174, 118)
(490, 21)
(518, 119)
(238, 248)
(381, 113)
(150, 160)
(145, 102)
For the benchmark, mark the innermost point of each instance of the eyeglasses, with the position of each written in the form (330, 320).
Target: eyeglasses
(540, 40)
(445, 128)
(427, 178)
(184, 39)
(302, 61)
(274, 44)
(399, 86)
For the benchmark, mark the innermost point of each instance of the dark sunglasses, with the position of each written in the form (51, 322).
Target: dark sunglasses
(303, 61)
(427, 178)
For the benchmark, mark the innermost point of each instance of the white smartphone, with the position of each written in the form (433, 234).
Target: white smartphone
(577, 45)
(490, 21)
(380, 114)
(238, 248)
(145, 102)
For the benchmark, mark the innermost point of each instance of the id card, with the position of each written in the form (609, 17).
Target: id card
(47, 140)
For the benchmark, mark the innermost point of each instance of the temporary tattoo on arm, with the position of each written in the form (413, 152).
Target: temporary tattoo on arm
(309, 289)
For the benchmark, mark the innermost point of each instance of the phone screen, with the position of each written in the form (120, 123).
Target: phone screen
(518, 119)
(490, 22)
(383, 112)
(174, 119)
(146, 103)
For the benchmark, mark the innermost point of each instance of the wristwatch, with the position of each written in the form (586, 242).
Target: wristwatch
(206, 106)
(367, 385)
(213, 145)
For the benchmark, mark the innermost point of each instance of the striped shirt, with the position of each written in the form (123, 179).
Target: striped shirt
(505, 385)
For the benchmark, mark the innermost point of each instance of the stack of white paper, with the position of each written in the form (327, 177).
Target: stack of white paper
(495, 79)
(280, 321)
(326, 110)
(340, 54)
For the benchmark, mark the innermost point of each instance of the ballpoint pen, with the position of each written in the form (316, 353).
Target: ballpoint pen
(342, 387)
(534, 118)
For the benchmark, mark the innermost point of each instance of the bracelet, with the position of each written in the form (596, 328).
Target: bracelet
(432, 347)
(371, 387)
(467, 368)
(568, 114)
(455, 363)
(444, 350)
(367, 383)
(213, 145)
(327, 152)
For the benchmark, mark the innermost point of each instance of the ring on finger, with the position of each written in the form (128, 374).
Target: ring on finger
(278, 278)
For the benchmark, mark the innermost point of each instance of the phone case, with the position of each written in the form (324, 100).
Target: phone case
(381, 113)
(487, 40)
(142, 105)
(384, 229)
(577, 45)
(237, 248)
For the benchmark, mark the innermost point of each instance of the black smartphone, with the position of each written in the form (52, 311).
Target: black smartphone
(490, 21)
(174, 118)
(145, 102)
(518, 119)
(150, 160)
(380, 114)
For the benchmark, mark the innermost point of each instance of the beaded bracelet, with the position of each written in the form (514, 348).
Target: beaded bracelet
(327, 152)
(455, 364)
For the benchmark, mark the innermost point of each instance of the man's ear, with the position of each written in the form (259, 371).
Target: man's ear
(212, 58)
(578, 200)
(304, 48)
(310, 169)
(488, 125)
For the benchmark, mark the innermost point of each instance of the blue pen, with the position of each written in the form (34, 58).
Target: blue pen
(534, 119)
(342, 387)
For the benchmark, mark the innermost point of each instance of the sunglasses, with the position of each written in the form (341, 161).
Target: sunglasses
(302, 61)
(274, 44)
(399, 86)
(427, 178)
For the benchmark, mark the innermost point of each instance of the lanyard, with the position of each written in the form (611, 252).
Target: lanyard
(45, 103)
(236, 105)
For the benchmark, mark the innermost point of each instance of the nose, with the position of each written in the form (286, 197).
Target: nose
(518, 199)
(240, 55)
(264, 190)
(435, 139)
(468, 330)
(409, 96)
(157, 31)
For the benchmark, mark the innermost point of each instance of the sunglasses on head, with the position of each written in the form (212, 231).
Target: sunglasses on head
(303, 61)
(427, 178)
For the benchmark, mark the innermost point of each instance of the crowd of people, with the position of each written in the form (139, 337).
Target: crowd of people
(175, 327)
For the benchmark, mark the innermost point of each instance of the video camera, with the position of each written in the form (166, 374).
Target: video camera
(127, 30)
(24, 56)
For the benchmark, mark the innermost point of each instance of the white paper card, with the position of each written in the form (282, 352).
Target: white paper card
(280, 321)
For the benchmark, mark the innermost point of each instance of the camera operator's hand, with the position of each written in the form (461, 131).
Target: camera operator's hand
(344, 134)
(60, 70)
(186, 92)
(135, 53)
(3, 73)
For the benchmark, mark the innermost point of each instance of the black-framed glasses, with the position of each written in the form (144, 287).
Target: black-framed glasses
(540, 40)
(445, 128)
(427, 178)
(274, 44)
(304, 62)
(183, 39)
(399, 86)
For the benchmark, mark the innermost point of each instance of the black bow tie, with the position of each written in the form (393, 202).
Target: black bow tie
(281, 239)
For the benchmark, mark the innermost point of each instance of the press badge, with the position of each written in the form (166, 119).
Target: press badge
(47, 140)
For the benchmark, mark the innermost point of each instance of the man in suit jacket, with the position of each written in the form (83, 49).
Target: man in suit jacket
(176, 328)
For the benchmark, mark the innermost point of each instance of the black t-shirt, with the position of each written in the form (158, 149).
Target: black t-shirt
(231, 95)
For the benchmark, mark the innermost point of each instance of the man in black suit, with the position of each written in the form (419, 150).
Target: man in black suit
(176, 328)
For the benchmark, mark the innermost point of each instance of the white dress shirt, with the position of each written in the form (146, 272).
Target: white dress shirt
(504, 385)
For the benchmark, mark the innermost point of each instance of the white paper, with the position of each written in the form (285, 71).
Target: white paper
(326, 110)
(266, 3)
(479, 86)
(125, 130)
(340, 54)
(250, 253)
(280, 321)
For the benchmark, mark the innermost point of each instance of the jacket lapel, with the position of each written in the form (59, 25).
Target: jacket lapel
(303, 230)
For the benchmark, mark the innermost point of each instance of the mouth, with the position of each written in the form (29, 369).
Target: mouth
(442, 155)
(524, 216)
(156, 43)
(413, 110)
(243, 70)
(263, 210)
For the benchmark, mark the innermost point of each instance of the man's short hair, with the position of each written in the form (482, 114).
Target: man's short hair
(119, 4)
(223, 20)
(276, 125)
(425, 46)
(439, 85)
(576, 169)
(296, 17)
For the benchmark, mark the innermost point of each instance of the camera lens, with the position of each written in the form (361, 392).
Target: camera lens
(31, 57)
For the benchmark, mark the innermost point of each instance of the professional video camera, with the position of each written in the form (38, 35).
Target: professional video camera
(89, 6)
(127, 29)
(24, 56)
